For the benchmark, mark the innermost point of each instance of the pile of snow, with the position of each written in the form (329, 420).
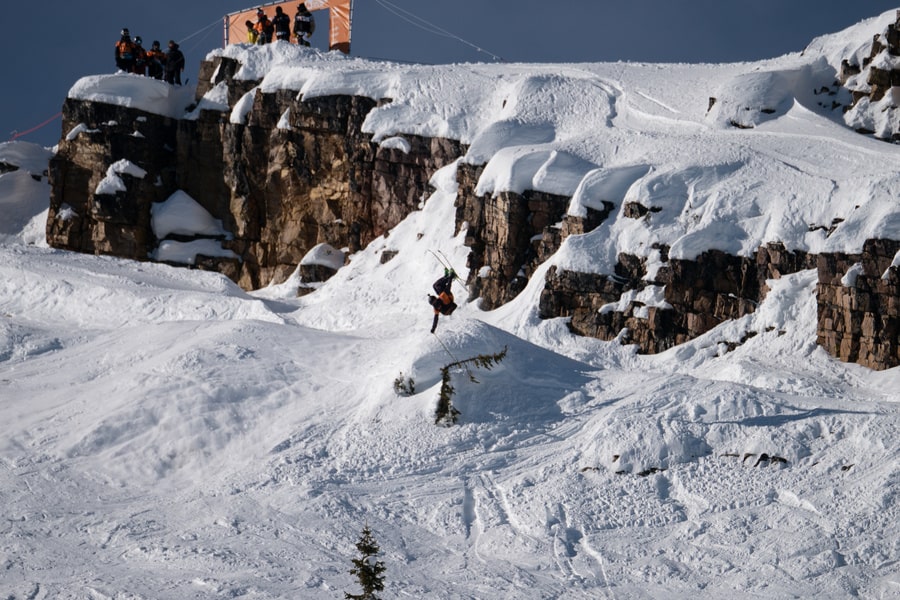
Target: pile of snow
(113, 183)
(26, 156)
(324, 255)
(134, 91)
(181, 215)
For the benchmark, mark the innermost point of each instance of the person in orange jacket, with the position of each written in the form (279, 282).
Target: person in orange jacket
(156, 59)
(264, 28)
(140, 57)
(125, 52)
(442, 303)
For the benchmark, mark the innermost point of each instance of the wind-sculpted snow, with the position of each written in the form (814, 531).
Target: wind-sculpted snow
(792, 171)
(28, 157)
(751, 99)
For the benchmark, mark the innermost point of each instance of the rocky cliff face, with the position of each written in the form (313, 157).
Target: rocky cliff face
(511, 234)
(85, 216)
(859, 305)
(874, 81)
(697, 295)
(299, 173)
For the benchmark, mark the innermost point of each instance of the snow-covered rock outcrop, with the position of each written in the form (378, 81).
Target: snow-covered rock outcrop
(646, 203)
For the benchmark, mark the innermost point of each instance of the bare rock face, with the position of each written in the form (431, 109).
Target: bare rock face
(296, 174)
(698, 295)
(511, 234)
(83, 215)
(859, 305)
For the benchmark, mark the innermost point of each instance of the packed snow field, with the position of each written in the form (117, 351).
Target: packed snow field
(167, 435)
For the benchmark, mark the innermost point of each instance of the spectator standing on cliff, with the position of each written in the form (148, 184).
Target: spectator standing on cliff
(155, 60)
(140, 57)
(174, 64)
(125, 52)
(252, 35)
(304, 25)
(282, 25)
(264, 27)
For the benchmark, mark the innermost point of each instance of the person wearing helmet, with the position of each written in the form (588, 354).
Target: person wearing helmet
(264, 28)
(304, 25)
(282, 25)
(156, 59)
(174, 64)
(443, 303)
(125, 52)
(140, 57)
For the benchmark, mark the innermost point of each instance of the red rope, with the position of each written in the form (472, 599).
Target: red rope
(16, 134)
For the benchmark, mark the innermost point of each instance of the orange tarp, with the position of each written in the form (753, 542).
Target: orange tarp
(339, 14)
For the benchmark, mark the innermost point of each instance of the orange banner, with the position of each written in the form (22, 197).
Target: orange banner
(340, 13)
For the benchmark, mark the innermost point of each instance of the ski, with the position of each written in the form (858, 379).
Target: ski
(446, 264)
(441, 259)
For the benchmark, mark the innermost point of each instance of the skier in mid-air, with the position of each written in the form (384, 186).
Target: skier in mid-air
(443, 303)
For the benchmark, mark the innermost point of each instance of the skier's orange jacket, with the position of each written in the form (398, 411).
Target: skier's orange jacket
(125, 49)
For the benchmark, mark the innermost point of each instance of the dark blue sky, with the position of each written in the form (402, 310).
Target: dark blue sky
(73, 39)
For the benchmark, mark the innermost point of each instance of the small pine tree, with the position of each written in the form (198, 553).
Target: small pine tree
(446, 413)
(368, 570)
(404, 386)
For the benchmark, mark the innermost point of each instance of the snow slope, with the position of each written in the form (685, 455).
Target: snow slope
(167, 435)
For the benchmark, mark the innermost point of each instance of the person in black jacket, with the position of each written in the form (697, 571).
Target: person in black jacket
(155, 61)
(174, 64)
(282, 25)
(304, 25)
(442, 303)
